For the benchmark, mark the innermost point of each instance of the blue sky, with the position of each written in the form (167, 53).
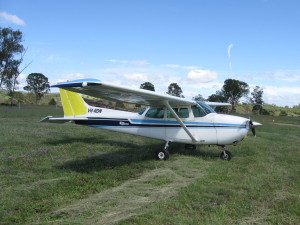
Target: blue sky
(197, 44)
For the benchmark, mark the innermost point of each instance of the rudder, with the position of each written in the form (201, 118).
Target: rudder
(72, 102)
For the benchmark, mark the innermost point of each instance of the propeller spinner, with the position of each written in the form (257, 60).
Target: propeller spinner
(253, 125)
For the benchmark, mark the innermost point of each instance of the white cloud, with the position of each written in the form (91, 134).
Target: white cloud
(12, 19)
(203, 76)
(275, 91)
(229, 50)
(136, 77)
(52, 58)
(117, 61)
(289, 76)
(181, 67)
(282, 96)
(140, 63)
(134, 62)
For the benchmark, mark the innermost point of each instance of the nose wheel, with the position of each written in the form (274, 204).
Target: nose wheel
(164, 153)
(225, 155)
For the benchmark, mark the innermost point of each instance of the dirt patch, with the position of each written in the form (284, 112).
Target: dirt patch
(287, 124)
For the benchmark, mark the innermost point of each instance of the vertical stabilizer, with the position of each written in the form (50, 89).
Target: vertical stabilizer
(72, 102)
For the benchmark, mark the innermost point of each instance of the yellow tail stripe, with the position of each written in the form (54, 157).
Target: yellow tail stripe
(72, 102)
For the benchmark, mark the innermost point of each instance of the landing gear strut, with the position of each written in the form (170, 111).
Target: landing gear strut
(225, 155)
(164, 153)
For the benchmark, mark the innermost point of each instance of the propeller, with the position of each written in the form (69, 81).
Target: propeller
(252, 128)
(253, 125)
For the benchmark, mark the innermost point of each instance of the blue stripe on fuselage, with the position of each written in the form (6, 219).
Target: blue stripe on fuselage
(185, 122)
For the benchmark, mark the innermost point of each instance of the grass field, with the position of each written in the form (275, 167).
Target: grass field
(68, 174)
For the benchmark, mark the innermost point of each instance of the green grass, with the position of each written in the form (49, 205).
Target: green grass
(68, 174)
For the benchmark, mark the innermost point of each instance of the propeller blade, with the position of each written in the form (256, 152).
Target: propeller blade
(252, 125)
(253, 131)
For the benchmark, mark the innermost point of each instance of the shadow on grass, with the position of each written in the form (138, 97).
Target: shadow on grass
(129, 154)
(62, 140)
(199, 152)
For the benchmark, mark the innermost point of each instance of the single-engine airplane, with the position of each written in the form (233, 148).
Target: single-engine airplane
(167, 118)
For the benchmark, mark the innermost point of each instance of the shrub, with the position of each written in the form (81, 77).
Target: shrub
(52, 102)
(283, 113)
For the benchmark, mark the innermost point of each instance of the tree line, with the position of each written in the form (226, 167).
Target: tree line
(231, 92)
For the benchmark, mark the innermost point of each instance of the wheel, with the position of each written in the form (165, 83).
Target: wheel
(190, 147)
(225, 155)
(162, 154)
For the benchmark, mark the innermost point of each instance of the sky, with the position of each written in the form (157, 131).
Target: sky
(195, 43)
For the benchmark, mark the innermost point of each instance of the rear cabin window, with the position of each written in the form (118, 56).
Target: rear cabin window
(181, 112)
(155, 113)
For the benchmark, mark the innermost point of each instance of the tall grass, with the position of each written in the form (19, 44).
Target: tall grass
(68, 174)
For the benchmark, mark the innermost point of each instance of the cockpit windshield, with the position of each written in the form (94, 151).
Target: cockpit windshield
(142, 111)
(206, 108)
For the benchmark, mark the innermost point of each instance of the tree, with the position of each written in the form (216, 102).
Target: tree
(38, 84)
(257, 100)
(10, 47)
(175, 90)
(199, 97)
(147, 86)
(233, 90)
(13, 72)
(19, 97)
(52, 102)
(218, 97)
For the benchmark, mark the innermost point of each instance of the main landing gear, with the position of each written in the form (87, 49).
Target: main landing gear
(225, 155)
(164, 153)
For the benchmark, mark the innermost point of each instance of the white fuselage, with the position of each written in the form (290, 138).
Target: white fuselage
(210, 129)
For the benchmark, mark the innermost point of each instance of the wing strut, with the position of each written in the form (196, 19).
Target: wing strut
(180, 121)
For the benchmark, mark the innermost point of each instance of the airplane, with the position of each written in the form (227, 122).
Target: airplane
(168, 118)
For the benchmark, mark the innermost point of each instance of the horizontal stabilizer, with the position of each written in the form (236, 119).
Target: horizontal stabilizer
(50, 119)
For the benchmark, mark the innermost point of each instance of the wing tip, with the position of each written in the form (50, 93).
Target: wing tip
(77, 83)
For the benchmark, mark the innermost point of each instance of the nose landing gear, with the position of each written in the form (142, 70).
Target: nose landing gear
(225, 155)
(164, 153)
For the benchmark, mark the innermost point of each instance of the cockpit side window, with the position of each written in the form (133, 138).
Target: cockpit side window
(155, 113)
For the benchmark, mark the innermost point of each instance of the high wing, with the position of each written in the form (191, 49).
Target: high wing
(218, 104)
(104, 90)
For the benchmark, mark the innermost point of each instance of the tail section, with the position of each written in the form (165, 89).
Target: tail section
(76, 108)
(73, 104)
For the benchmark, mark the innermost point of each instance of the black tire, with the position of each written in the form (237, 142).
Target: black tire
(162, 154)
(225, 156)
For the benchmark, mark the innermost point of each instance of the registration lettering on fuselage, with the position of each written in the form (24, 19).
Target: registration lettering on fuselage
(91, 110)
